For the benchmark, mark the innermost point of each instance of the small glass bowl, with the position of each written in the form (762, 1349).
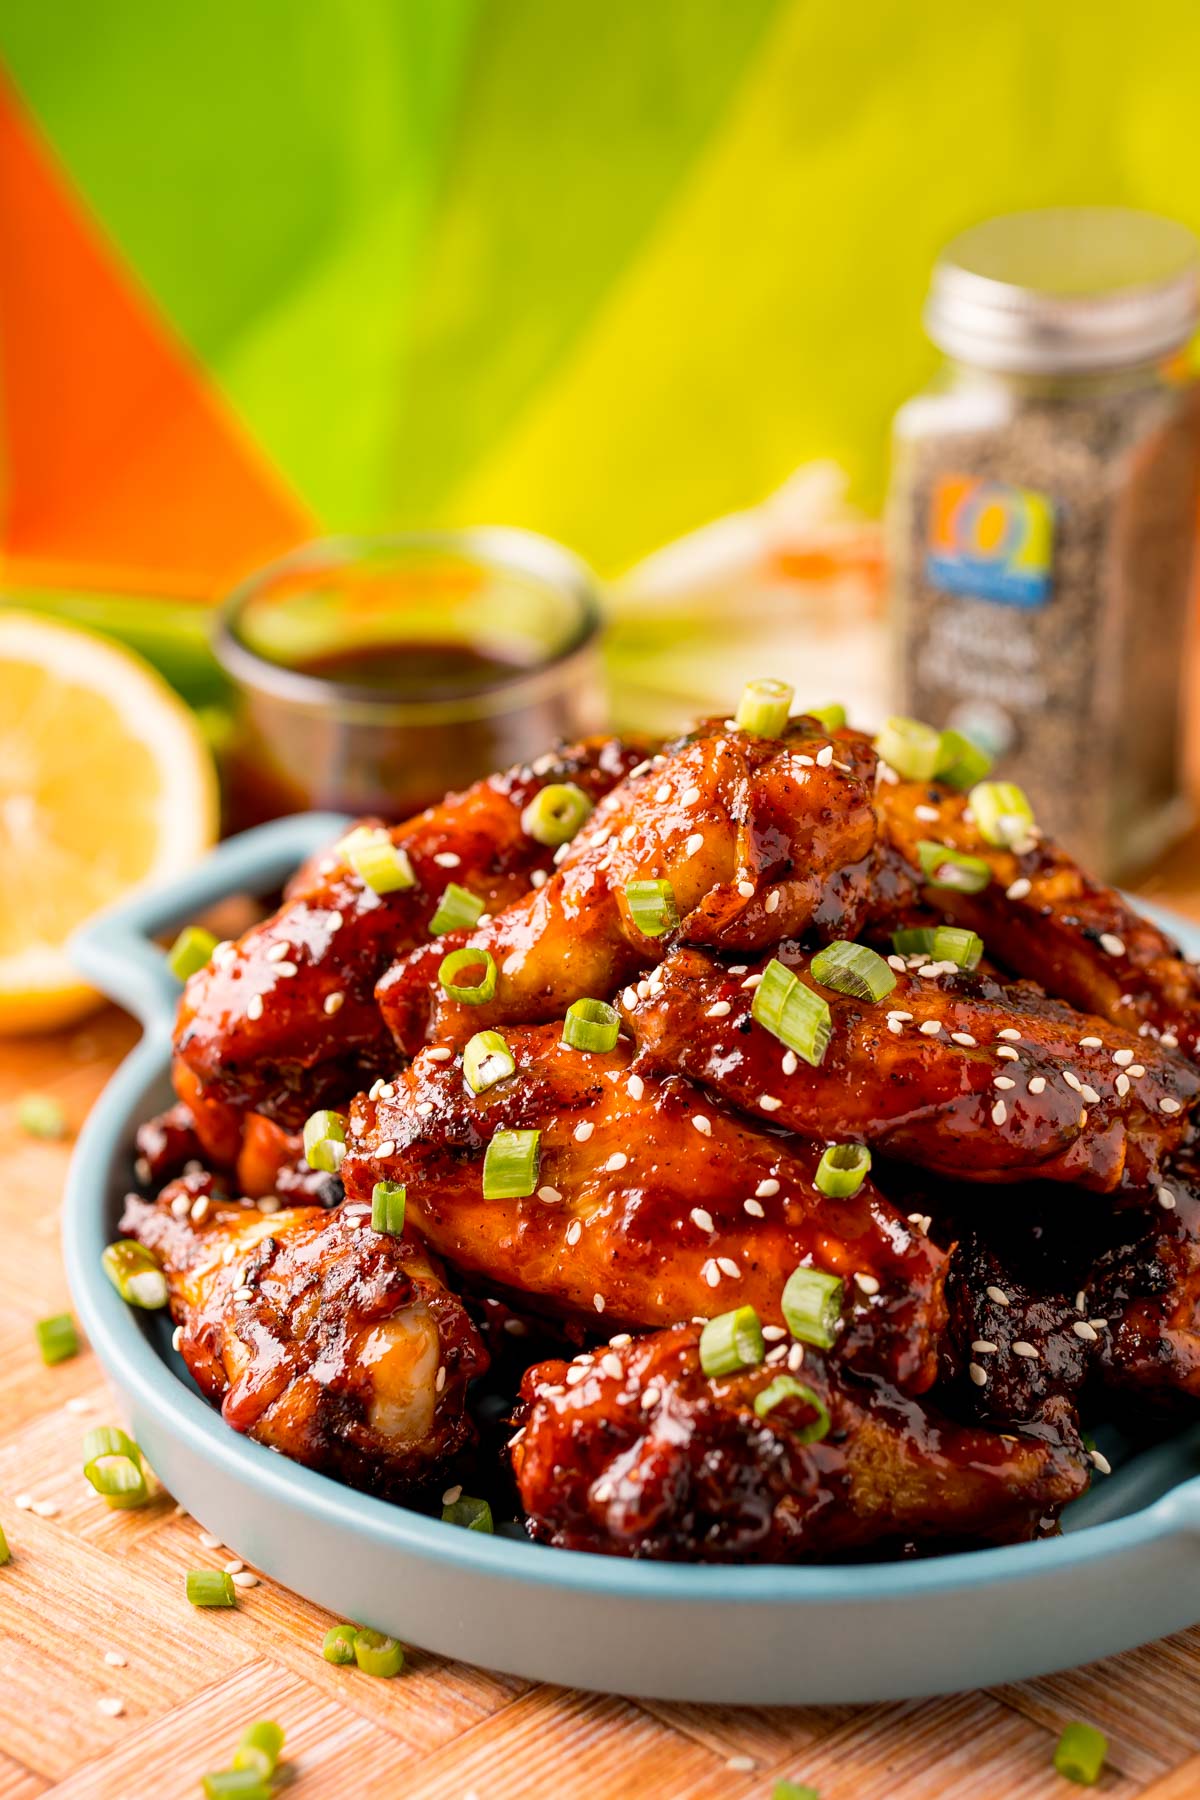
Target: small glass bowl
(371, 675)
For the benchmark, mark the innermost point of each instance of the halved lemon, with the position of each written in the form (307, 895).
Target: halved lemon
(105, 783)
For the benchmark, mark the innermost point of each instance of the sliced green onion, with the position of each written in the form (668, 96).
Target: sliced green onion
(961, 763)
(259, 1747)
(469, 993)
(916, 940)
(829, 718)
(457, 911)
(556, 814)
(652, 906)
(57, 1338)
(112, 1463)
(763, 708)
(510, 1165)
(591, 1025)
(474, 1515)
(909, 747)
(338, 1644)
(842, 1170)
(853, 969)
(134, 1272)
(381, 865)
(812, 1306)
(5, 1552)
(387, 1207)
(1080, 1753)
(793, 1790)
(1003, 814)
(793, 1013)
(325, 1141)
(41, 1117)
(943, 867)
(954, 943)
(376, 1654)
(732, 1341)
(210, 1587)
(236, 1784)
(786, 1387)
(190, 951)
(487, 1059)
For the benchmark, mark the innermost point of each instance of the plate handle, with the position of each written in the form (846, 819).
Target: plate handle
(116, 951)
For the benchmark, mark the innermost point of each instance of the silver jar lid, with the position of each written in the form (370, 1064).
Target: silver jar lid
(1066, 289)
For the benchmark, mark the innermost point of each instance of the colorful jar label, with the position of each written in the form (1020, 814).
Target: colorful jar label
(990, 540)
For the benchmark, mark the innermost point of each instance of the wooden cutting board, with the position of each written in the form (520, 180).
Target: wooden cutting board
(85, 1582)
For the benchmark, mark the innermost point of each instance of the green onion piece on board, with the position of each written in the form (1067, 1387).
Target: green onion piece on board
(960, 762)
(829, 718)
(731, 1341)
(943, 867)
(555, 815)
(812, 1306)
(338, 1644)
(785, 1388)
(469, 993)
(954, 943)
(652, 906)
(1080, 1753)
(853, 969)
(792, 1013)
(474, 1515)
(379, 864)
(325, 1141)
(236, 1784)
(134, 1272)
(909, 747)
(259, 1747)
(591, 1025)
(842, 1170)
(376, 1654)
(793, 1790)
(112, 1463)
(457, 910)
(487, 1059)
(1003, 814)
(210, 1587)
(510, 1165)
(914, 941)
(41, 1117)
(57, 1338)
(5, 1552)
(387, 1207)
(763, 708)
(191, 951)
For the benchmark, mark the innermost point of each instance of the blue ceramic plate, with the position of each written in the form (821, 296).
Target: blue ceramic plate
(1127, 1568)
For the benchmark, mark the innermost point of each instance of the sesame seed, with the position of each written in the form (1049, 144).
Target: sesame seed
(998, 1295)
(978, 1375)
(616, 1161)
(387, 1089)
(23, 1502)
(1114, 945)
(1098, 1324)
(234, 1567)
(746, 889)
(287, 968)
(728, 1267)
(689, 796)
(701, 1218)
(767, 1190)
(1100, 1462)
(741, 1765)
(243, 1293)
(650, 1398)
(179, 1206)
(1008, 1055)
(538, 879)
(752, 981)
(825, 757)
(629, 997)
(1169, 1041)
(984, 1347)
(1137, 1070)
(574, 1231)
(867, 1283)
(929, 814)
(254, 1007)
(1122, 1084)
(928, 969)
(703, 1124)
(1091, 1043)
(598, 1302)
(1011, 1036)
(334, 1003)
(1017, 890)
(46, 1509)
(754, 1208)
(1122, 1058)
(694, 843)
(895, 1027)
(930, 1028)
(1021, 1348)
(635, 1087)
(583, 1131)
(1090, 1095)
(999, 1113)
(387, 1148)
(1166, 1198)
(964, 1038)
(549, 1194)
(790, 1063)
(897, 1012)
(1038, 1084)
(738, 968)
(612, 1365)
(711, 1273)
(773, 1334)
(177, 1339)
(209, 1541)
(1168, 1105)
(116, 1660)
(244, 1579)
(718, 1009)
(278, 952)
(439, 1055)
(795, 1357)
(439, 1380)
(1004, 1081)
(1083, 1330)
(769, 1103)
(771, 903)
(110, 1706)
(1072, 1080)
(897, 962)
(335, 921)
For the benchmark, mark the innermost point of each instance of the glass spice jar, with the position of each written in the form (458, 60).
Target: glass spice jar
(1042, 518)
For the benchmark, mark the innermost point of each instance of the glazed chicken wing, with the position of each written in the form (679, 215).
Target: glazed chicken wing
(953, 1071)
(335, 1344)
(634, 1451)
(653, 1203)
(756, 836)
(285, 1019)
(1042, 917)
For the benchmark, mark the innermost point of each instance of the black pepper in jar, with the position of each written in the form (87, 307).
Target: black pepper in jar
(1043, 517)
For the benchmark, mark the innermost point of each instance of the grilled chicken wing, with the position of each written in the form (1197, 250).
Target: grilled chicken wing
(285, 1019)
(634, 1451)
(335, 1344)
(955, 1072)
(654, 1202)
(1041, 916)
(757, 837)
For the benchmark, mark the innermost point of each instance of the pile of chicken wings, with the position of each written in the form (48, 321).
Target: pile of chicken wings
(603, 1332)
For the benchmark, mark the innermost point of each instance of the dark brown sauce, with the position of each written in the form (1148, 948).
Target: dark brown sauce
(415, 670)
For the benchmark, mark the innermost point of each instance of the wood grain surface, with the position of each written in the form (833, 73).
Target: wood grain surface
(84, 1582)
